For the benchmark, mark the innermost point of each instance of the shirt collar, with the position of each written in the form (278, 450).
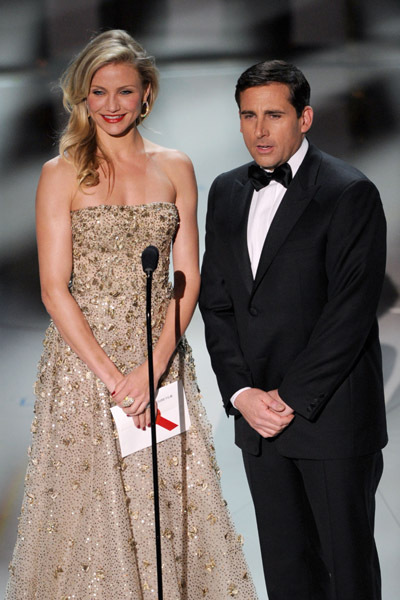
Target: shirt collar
(298, 157)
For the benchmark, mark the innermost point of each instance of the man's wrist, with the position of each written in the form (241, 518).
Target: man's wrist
(236, 394)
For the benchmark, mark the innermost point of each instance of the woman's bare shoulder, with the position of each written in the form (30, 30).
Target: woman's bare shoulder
(57, 180)
(167, 155)
(59, 167)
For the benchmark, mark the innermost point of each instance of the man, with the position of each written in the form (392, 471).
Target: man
(291, 279)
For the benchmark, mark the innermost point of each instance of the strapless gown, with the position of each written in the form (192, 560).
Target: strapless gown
(86, 530)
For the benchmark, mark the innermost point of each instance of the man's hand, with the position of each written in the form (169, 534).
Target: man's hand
(265, 412)
(286, 410)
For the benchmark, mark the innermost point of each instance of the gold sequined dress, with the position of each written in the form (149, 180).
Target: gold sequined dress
(86, 530)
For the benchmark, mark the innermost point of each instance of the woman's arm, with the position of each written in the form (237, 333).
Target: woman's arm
(53, 226)
(185, 255)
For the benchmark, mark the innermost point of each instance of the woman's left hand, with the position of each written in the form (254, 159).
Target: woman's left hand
(135, 386)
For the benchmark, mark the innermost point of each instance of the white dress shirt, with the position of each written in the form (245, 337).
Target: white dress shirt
(264, 205)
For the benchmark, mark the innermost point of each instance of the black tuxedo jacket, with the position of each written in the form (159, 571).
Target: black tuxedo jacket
(307, 323)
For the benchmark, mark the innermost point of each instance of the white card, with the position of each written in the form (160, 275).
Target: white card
(172, 404)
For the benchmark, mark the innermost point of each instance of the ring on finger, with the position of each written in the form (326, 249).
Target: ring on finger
(127, 401)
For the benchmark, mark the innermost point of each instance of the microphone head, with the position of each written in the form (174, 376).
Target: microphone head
(150, 259)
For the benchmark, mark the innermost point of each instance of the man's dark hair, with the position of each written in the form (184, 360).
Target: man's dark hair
(277, 71)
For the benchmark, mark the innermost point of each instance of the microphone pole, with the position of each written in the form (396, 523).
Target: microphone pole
(149, 264)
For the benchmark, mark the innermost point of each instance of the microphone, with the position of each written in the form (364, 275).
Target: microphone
(150, 259)
(149, 264)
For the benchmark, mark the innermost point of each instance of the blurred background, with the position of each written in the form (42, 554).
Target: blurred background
(350, 52)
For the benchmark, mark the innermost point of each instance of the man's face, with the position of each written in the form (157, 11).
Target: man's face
(271, 129)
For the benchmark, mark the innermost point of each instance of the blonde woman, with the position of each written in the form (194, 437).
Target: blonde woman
(87, 526)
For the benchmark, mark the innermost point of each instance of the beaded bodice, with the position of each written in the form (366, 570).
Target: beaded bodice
(108, 241)
(108, 281)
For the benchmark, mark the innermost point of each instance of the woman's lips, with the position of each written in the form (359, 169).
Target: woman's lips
(113, 118)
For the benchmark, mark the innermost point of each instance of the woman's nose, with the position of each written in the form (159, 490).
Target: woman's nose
(112, 103)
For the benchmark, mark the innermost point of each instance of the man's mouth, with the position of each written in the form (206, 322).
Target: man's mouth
(264, 147)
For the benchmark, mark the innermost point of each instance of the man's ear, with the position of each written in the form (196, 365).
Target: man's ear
(307, 117)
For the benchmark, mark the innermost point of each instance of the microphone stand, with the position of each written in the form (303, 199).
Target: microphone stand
(149, 262)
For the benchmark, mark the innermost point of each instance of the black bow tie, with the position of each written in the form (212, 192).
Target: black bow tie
(260, 178)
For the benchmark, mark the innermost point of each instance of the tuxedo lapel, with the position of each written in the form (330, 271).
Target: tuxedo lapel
(239, 212)
(295, 201)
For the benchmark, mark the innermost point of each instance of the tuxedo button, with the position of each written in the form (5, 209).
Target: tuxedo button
(312, 405)
(253, 311)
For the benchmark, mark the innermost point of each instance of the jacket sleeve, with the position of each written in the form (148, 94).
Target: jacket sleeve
(217, 311)
(355, 268)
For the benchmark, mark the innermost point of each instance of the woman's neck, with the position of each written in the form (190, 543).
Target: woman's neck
(119, 147)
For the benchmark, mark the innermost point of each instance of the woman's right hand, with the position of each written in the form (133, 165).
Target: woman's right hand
(135, 386)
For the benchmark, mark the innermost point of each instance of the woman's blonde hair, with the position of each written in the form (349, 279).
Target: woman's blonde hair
(78, 143)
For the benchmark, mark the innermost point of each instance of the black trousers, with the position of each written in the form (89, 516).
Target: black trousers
(315, 522)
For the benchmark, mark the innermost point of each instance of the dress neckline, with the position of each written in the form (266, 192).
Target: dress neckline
(108, 206)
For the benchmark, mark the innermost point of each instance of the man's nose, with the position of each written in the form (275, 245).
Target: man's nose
(261, 129)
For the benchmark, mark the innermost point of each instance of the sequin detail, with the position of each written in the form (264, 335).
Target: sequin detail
(86, 529)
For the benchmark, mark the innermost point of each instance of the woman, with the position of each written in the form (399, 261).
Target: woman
(87, 525)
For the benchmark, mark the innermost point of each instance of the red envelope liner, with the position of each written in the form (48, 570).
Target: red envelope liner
(165, 422)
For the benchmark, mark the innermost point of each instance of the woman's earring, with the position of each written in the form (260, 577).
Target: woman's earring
(146, 110)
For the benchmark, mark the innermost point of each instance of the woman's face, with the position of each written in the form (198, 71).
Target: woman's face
(115, 98)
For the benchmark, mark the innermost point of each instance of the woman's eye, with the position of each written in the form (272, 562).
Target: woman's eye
(126, 92)
(97, 92)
